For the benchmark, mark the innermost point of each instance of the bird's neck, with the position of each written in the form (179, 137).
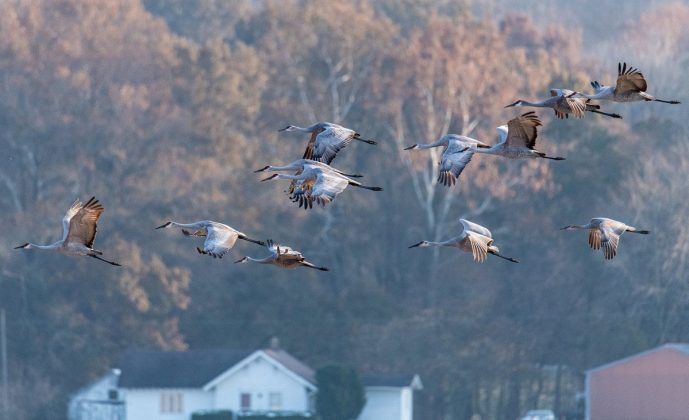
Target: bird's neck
(51, 246)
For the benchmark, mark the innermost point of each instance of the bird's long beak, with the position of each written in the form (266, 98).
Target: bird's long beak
(415, 245)
(269, 178)
(284, 129)
(565, 228)
(410, 147)
(262, 169)
(512, 104)
(21, 246)
(164, 225)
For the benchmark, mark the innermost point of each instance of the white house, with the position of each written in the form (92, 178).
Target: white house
(157, 385)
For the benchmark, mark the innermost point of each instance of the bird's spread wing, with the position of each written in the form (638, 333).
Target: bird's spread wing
(331, 141)
(629, 79)
(479, 245)
(452, 166)
(327, 186)
(522, 131)
(308, 153)
(609, 241)
(82, 226)
(73, 209)
(476, 228)
(220, 239)
(594, 238)
(272, 247)
(575, 106)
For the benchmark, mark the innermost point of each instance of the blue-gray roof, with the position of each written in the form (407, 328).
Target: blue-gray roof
(176, 369)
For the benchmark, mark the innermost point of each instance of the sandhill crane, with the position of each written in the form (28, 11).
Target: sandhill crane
(283, 257)
(630, 87)
(474, 238)
(456, 156)
(605, 233)
(220, 238)
(565, 104)
(518, 139)
(78, 231)
(317, 182)
(326, 140)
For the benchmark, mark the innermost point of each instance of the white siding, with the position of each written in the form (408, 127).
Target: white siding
(407, 406)
(94, 401)
(260, 378)
(144, 404)
(383, 403)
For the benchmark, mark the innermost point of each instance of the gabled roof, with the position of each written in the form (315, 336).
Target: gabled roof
(680, 347)
(296, 370)
(392, 381)
(175, 369)
(292, 364)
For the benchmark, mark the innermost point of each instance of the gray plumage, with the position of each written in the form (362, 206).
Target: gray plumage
(220, 238)
(79, 226)
(327, 139)
(605, 234)
(630, 87)
(518, 139)
(474, 238)
(283, 257)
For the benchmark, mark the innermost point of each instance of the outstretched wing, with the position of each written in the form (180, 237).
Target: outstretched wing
(522, 131)
(609, 241)
(568, 104)
(476, 228)
(329, 142)
(327, 186)
(73, 209)
(308, 153)
(594, 238)
(479, 245)
(452, 166)
(219, 239)
(82, 226)
(629, 79)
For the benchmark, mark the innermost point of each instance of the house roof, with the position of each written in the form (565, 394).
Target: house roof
(291, 363)
(680, 347)
(392, 381)
(175, 369)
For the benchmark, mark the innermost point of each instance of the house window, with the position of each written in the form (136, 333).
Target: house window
(171, 402)
(275, 401)
(245, 401)
(113, 394)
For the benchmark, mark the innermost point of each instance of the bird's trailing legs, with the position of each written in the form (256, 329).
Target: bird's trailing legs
(502, 256)
(104, 260)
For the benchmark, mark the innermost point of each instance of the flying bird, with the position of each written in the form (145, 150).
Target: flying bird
(316, 182)
(78, 232)
(283, 257)
(565, 102)
(326, 140)
(630, 87)
(474, 238)
(605, 233)
(456, 155)
(220, 238)
(518, 139)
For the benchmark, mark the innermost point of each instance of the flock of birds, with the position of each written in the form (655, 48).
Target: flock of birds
(313, 180)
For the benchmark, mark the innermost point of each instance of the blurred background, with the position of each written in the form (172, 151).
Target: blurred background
(163, 108)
